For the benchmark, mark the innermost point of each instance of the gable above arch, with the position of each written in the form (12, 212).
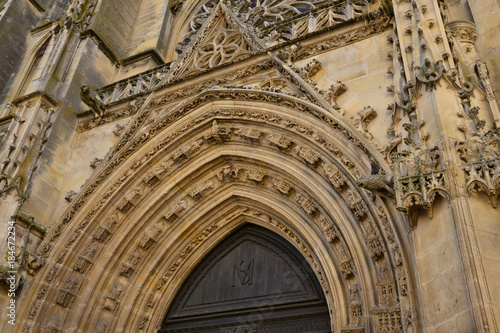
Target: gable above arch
(254, 14)
(220, 40)
(272, 22)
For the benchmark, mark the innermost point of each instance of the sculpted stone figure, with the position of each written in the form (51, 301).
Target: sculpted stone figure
(378, 184)
(90, 99)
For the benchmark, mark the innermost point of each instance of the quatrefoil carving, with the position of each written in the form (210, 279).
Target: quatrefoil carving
(226, 45)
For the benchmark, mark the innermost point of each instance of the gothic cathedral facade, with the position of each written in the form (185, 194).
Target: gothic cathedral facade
(249, 166)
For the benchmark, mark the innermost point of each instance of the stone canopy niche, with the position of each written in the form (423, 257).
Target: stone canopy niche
(254, 281)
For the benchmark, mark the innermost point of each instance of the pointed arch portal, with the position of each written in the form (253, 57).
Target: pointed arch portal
(165, 200)
(254, 281)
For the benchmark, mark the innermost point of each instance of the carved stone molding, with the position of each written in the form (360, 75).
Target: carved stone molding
(229, 173)
(463, 31)
(483, 176)
(156, 78)
(388, 320)
(177, 114)
(25, 141)
(219, 126)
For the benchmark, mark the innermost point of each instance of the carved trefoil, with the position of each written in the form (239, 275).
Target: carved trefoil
(347, 267)
(387, 293)
(388, 320)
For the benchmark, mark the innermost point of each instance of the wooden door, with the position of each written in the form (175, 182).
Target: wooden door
(254, 281)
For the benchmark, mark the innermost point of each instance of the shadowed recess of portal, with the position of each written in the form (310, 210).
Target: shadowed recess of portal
(254, 281)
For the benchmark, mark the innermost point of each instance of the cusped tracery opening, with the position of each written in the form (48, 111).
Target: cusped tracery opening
(255, 14)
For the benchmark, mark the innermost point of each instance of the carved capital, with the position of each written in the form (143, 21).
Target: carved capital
(463, 31)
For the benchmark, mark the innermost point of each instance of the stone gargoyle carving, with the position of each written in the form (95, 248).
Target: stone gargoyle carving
(382, 185)
(90, 99)
(33, 262)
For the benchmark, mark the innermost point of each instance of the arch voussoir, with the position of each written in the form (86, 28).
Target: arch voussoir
(300, 164)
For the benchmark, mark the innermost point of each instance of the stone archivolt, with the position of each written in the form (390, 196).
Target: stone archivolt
(226, 174)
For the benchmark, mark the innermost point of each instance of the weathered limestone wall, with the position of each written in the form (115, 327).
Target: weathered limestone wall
(56, 9)
(458, 10)
(362, 67)
(486, 15)
(440, 272)
(147, 27)
(114, 24)
(90, 67)
(487, 231)
(16, 20)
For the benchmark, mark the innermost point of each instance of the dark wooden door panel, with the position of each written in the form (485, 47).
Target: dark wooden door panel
(254, 281)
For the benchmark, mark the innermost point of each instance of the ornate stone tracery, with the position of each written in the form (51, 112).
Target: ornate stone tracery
(219, 132)
(256, 14)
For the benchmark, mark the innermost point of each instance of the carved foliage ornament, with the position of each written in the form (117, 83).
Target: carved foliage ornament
(419, 177)
(464, 31)
(479, 151)
(78, 14)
